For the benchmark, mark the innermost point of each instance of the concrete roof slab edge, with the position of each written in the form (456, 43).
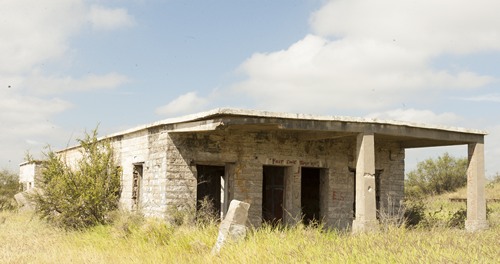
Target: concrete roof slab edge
(267, 114)
(219, 112)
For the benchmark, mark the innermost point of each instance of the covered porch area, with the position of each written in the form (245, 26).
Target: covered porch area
(319, 154)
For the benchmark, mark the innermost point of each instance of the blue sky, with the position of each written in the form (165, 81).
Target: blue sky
(67, 65)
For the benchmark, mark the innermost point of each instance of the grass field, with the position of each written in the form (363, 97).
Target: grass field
(441, 207)
(25, 239)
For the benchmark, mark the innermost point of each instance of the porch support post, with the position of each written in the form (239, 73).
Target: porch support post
(366, 211)
(292, 194)
(476, 201)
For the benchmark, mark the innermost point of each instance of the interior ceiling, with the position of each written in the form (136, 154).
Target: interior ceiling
(412, 142)
(315, 135)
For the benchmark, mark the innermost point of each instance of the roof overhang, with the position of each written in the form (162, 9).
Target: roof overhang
(409, 135)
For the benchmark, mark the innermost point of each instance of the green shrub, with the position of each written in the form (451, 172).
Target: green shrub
(82, 195)
(9, 186)
(431, 177)
(414, 212)
(443, 218)
(418, 215)
(457, 218)
(494, 181)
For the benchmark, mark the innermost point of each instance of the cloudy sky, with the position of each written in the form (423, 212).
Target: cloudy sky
(68, 65)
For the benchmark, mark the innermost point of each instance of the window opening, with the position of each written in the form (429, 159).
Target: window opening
(136, 186)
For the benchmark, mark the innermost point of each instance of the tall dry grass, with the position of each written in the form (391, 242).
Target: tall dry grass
(25, 239)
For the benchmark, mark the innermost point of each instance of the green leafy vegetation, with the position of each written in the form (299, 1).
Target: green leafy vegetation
(437, 176)
(80, 195)
(9, 186)
(444, 210)
(429, 191)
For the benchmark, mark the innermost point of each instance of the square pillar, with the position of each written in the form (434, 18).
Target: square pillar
(366, 210)
(291, 202)
(476, 200)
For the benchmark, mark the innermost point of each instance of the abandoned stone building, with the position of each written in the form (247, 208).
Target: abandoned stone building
(28, 174)
(287, 166)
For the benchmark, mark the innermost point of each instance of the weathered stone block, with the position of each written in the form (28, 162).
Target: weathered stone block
(233, 227)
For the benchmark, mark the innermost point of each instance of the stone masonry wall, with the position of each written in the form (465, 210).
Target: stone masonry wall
(169, 169)
(248, 152)
(390, 158)
(147, 148)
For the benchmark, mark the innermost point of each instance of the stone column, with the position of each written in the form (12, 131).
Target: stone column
(366, 210)
(292, 193)
(476, 201)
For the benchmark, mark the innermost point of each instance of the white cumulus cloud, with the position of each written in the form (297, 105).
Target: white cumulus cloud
(373, 55)
(494, 97)
(34, 33)
(186, 103)
(26, 119)
(103, 18)
(427, 26)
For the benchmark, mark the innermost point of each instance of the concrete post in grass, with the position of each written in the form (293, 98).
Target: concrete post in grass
(476, 200)
(233, 227)
(366, 209)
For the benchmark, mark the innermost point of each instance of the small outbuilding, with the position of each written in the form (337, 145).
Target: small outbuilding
(29, 173)
(288, 167)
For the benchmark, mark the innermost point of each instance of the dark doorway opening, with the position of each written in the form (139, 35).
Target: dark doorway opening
(208, 192)
(310, 194)
(272, 194)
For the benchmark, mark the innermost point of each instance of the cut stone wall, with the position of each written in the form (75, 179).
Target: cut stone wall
(250, 151)
(390, 158)
(169, 169)
(146, 148)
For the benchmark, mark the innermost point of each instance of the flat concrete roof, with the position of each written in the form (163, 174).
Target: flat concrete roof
(219, 112)
(433, 135)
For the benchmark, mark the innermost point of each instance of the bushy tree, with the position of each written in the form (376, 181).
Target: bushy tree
(436, 176)
(9, 186)
(83, 194)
